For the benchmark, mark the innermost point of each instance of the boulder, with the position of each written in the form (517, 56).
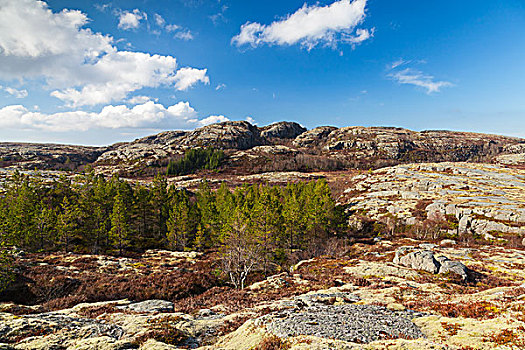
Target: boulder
(449, 266)
(425, 260)
(149, 306)
(419, 260)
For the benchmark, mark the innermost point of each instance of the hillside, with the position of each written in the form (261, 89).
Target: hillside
(349, 238)
(283, 146)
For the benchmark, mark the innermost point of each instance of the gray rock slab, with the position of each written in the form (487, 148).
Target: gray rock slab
(149, 306)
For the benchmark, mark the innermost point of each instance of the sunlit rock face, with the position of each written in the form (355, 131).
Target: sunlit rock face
(480, 199)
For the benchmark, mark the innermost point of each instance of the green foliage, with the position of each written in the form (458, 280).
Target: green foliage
(196, 159)
(120, 233)
(6, 274)
(263, 225)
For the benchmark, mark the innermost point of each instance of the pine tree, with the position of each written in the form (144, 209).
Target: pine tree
(181, 221)
(119, 233)
(209, 219)
(292, 217)
(45, 223)
(21, 209)
(67, 222)
(265, 223)
(142, 215)
(159, 204)
(225, 206)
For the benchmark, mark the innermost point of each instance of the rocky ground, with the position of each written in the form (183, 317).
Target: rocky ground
(473, 199)
(389, 295)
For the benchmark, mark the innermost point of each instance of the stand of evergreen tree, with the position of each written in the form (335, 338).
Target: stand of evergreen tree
(196, 159)
(252, 225)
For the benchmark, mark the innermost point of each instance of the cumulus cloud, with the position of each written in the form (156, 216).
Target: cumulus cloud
(130, 20)
(147, 115)
(14, 92)
(212, 119)
(220, 87)
(187, 77)
(416, 77)
(310, 26)
(135, 100)
(79, 66)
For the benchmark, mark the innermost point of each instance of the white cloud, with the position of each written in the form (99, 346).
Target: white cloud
(172, 27)
(135, 100)
(398, 63)
(219, 16)
(417, 78)
(212, 119)
(130, 20)
(251, 120)
(184, 35)
(220, 87)
(361, 35)
(310, 26)
(187, 77)
(121, 72)
(79, 66)
(14, 92)
(147, 115)
(161, 22)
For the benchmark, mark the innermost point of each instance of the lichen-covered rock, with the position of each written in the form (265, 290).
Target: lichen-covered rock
(455, 267)
(469, 198)
(426, 260)
(313, 137)
(226, 135)
(149, 306)
(282, 130)
(152, 344)
(351, 323)
(418, 260)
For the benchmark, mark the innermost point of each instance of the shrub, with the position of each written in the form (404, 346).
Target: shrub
(513, 339)
(273, 343)
(162, 330)
(477, 309)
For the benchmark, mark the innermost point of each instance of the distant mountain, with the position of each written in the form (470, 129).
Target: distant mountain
(276, 147)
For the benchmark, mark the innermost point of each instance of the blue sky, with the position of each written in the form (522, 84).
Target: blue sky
(97, 72)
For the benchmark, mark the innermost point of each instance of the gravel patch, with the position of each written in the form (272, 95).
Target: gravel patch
(352, 323)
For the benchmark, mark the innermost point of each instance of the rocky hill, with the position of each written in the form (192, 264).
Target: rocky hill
(47, 156)
(282, 146)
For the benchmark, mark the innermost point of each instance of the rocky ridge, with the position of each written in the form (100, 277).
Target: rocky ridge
(480, 199)
(47, 156)
(351, 147)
